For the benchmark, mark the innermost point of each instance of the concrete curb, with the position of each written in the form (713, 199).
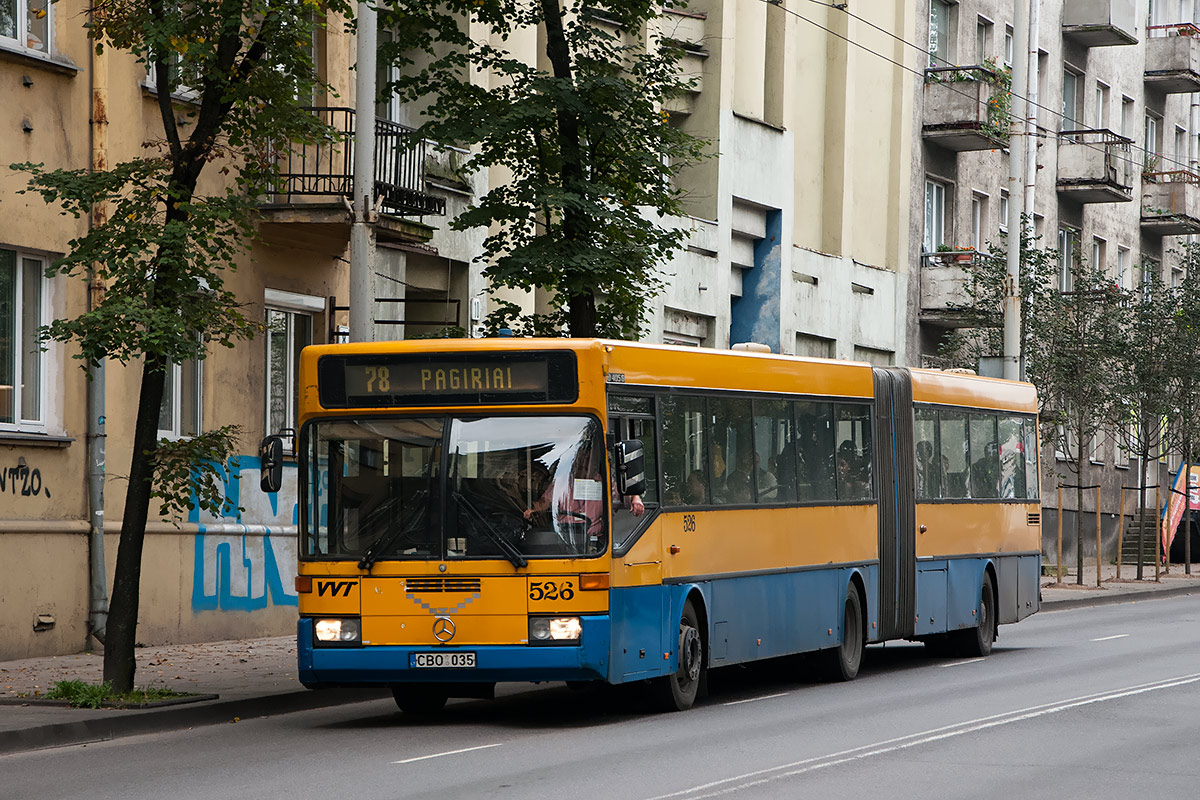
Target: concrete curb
(1117, 597)
(99, 729)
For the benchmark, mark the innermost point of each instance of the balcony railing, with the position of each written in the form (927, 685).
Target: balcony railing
(326, 169)
(1100, 23)
(1173, 58)
(1095, 166)
(1171, 202)
(944, 275)
(965, 108)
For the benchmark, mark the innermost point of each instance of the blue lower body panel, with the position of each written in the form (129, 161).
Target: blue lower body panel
(385, 665)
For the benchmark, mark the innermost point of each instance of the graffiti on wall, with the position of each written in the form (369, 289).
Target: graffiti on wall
(23, 481)
(245, 559)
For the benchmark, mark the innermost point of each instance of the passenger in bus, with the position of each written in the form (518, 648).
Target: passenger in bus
(985, 473)
(852, 481)
(927, 472)
(695, 493)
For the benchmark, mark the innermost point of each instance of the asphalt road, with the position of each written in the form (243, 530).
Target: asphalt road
(1099, 702)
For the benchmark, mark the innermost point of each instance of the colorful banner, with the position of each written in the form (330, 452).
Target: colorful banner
(1177, 503)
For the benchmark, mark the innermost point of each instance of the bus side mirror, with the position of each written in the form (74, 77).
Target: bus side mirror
(270, 464)
(631, 467)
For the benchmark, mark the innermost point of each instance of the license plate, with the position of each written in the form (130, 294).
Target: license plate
(444, 660)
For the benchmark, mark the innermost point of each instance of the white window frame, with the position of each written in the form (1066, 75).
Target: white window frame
(1070, 99)
(174, 384)
(978, 219)
(1068, 240)
(1124, 273)
(293, 305)
(1008, 46)
(1003, 211)
(983, 39)
(1102, 94)
(935, 214)
(1099, 253)
(20, 420)
(941, 42)
(21, 41)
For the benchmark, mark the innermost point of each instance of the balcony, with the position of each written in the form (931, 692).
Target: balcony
(1170, 203)
(945, 300)
(1100, 23)
(316, 181)
(965, 108)
(1095, 166)
(1173, 58)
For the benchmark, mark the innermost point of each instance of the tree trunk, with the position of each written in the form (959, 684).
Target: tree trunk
(1187, 514)
(1142, 459)
(1078, 503)
(581, 306)
(121, 639)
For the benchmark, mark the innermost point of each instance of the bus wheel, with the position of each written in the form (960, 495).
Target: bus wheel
(977, 642)
(677, 692)
(420, 699)
(843, 661)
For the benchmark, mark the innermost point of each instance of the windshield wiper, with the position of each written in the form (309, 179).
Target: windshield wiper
(407, 525)
(507, 548)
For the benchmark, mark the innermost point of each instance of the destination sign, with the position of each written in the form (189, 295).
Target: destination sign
(456, 379)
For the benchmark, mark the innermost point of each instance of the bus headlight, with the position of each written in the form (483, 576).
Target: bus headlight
(554, 630)
(338, 631)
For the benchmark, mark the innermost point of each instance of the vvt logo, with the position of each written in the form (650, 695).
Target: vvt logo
(334, 588)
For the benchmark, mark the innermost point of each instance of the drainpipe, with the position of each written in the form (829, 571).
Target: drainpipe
(97, 571)
(1031, 139)
(362, 245)
(1012, 284)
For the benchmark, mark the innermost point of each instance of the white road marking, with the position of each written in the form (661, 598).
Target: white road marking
(1109, 638)
(763, 776)
(753, 699)
(448, 753)
(961, 663)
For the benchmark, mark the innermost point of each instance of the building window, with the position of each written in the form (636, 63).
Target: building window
(1008, 46)
(1127, 117)
(1070, 101)
(983, 40)
(1181, 148)
(1151, 144)
(179, 414)
(1099, 253)
(22, 313)
(939, 33)
(1003, 211)
(289, 330)
(27, 24)
(935, 215)
(1101, 117)
(978, 219)
(1068, 246)
(1124, 274)
(288, 333)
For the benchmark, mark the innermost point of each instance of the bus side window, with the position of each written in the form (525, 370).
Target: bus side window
(928, 464)
(814, 446)
(953, 441)
(731, 423)
(1012, 458)
(775, 449)
(854, 453)
(985, 457)
(685, 452)
(1031, 459)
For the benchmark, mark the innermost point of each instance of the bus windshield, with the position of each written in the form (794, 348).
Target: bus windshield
(455, 488)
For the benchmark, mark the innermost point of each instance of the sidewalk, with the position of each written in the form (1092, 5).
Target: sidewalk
(257, 677)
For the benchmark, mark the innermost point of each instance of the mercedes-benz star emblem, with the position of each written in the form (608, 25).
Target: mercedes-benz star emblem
(443, 629)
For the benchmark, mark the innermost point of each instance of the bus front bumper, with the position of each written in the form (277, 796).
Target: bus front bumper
(386, 665)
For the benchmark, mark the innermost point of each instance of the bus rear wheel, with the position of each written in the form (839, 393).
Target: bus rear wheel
(677, 692)
(842, 662)
(977, 642)
(420, 699)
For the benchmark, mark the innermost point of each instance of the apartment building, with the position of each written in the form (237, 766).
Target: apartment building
(799, 238)
(1115, 177)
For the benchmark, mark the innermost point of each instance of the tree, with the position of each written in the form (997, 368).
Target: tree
(166, 244)
(587, 143)
(1141, 380)
(1072, 338)
(1184, 379)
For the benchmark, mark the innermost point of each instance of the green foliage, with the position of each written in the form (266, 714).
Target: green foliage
(189, 473)
(447, 332)
(81, 694)
(1184, 377)
(589, 148)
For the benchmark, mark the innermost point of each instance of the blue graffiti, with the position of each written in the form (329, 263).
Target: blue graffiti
(241, 571)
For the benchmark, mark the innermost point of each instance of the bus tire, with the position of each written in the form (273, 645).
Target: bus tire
(677, 691)
(977, 642)
(842, 662)
(420, 699)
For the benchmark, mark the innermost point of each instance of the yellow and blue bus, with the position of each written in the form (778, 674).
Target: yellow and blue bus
(475, 511)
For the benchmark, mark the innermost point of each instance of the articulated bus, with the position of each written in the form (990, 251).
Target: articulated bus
(487, 510)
